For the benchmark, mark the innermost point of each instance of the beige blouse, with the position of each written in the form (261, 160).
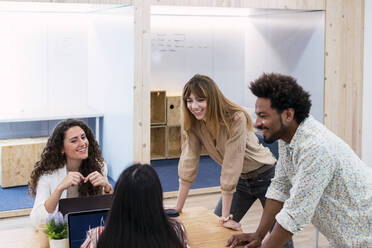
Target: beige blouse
(237, 152)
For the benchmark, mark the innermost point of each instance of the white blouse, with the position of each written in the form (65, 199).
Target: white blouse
(45, 187)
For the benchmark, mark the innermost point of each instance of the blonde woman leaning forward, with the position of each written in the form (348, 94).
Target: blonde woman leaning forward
(225, 130)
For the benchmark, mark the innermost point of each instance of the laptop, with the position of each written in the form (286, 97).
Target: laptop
(78, 204)
(79, 223)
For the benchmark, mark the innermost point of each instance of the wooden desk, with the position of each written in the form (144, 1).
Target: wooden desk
(26, 237)
(202, 228)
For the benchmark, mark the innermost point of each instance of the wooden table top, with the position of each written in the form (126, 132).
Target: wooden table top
(26, 237)
(203, 230)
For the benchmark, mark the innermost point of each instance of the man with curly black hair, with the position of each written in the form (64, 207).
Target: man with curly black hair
(318, 178)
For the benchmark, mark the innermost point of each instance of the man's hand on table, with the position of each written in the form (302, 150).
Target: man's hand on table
(251, 240)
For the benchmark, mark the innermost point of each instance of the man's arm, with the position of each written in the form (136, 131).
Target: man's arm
(314, 172)
(277, 238)
(272, 207)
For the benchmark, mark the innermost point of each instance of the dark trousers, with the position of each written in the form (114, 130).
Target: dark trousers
(247, 192)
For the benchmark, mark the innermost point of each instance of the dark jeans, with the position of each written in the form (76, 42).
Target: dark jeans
(247, 192)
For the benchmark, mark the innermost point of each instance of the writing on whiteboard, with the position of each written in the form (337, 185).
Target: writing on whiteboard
(173, 42)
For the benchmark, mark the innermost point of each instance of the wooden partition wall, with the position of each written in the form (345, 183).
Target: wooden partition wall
(344, 70)
(343, 61)
(343, 57)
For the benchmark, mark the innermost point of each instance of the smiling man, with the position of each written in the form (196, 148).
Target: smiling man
(318, 178)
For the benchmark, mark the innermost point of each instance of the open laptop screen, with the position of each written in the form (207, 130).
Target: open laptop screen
(80, 222)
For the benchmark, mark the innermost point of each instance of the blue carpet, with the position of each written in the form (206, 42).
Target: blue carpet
(17, 197)
(208, 176)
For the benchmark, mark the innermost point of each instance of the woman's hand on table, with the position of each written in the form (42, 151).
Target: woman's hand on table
(232, 225)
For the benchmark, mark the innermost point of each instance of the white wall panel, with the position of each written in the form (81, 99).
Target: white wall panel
(112, 79)
(367, 87)
(62, 59)
(236, 46)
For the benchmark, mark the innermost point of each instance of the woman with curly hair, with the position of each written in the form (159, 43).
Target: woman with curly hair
(71, 165)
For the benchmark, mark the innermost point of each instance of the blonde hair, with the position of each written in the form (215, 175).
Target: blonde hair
(220, 110)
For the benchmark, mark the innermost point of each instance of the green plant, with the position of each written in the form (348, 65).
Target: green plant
(56, 226)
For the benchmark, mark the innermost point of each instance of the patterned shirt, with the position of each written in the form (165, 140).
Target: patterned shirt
(321, 180)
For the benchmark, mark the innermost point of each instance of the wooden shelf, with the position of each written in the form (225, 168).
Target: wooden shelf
(158, 142)
(158, 107)
(173, 142)
(18, 157)
(173, 110)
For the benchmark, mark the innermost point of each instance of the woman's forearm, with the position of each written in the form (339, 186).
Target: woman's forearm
(226, 204)
(51, 203)
(183, 191)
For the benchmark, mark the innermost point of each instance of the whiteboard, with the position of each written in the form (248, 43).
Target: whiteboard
(195, 45)
(235, 50)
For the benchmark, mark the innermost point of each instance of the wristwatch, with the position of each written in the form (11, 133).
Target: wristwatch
(224, 219)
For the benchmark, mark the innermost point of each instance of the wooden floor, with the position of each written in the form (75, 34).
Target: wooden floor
(305, 239)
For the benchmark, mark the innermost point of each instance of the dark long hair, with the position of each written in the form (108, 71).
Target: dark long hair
(52, 158)
(137, 218)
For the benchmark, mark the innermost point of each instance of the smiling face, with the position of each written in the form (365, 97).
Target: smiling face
(75, 144)
(197, 106)
(269, 121)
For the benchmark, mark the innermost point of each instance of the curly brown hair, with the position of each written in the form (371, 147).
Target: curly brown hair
(284, 92)
(53, 159)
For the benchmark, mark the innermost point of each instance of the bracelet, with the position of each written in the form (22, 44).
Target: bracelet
(224, 219)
